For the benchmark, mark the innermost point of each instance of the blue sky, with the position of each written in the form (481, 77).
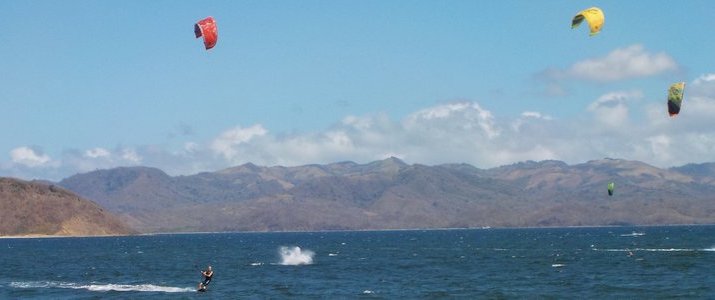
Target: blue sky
(87, 85)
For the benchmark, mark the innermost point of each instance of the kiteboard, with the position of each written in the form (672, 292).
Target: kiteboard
(202, 287)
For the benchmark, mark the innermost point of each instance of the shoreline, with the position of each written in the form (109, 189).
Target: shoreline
(46, 236)
(43, 236)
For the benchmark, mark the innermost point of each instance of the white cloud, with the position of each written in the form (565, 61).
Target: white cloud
(660, 147)
(529, 117)
(702, 87)
(225, 143)
(535, 115)
(704, 79)
(97, 153)
(191, 147)
(460, 116)
(611, 109)
(131, 156)
(617, 124)
(29, 157)
(622, 63)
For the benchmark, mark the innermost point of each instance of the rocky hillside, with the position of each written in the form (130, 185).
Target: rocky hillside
(34, 208)
(390, 194)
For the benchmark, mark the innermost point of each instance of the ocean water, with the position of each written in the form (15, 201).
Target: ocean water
(591, 263)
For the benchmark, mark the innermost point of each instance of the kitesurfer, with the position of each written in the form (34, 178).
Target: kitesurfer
(208, 274)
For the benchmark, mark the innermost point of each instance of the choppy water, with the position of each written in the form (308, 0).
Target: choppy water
(615, 262)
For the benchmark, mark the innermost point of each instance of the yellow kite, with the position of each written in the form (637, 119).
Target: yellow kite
(593, 15)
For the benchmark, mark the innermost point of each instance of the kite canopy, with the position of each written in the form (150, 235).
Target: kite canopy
(207, 28)
(593, 15)
(675, 98)
(611, 186)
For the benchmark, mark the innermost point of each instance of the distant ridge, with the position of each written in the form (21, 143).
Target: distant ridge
(390, 194)
(41, 209)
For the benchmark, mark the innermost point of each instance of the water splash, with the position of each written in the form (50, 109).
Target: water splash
(101, 287)
(294, 256)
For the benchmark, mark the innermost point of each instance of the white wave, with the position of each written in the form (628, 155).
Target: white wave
(558, 265)
(633, 234)
(32, 284)
(667, 250)
(257, 264)
(293, 256)
(137, 287)
(368, 292)
(332, 254)
(101, 287)
(653, 250)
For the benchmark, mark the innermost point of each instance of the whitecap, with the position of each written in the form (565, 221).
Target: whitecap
(101, 287)
(134, 288)
(653, 250)
(633, 234)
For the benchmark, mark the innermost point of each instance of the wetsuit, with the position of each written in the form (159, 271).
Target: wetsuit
(207, 279)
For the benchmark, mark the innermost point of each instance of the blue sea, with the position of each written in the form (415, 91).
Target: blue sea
(590, 263)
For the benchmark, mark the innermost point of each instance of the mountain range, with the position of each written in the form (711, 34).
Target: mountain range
(42, 209)
(390, 194)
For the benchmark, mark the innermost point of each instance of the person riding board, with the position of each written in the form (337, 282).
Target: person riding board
(208, 274)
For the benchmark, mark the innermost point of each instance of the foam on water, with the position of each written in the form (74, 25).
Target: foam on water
(633, 234)
(293, 256)
(654, 250)
(101, 287)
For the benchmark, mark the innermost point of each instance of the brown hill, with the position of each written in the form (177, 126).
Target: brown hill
(390, 194)
(34, 208)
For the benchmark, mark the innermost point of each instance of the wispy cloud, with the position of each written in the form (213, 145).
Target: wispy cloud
(97, 153)
(228, 142)
(623, 63)
(611, 109)
(29, 157)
